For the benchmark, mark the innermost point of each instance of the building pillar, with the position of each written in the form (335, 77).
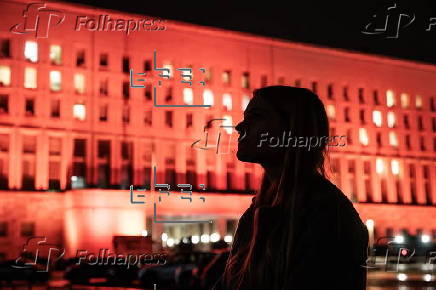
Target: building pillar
(42, 161)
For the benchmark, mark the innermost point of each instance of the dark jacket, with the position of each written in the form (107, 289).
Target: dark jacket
(331, 245)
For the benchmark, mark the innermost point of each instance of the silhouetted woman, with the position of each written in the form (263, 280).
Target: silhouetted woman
(301, 231)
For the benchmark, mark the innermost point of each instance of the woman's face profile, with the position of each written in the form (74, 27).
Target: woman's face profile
(261, 122)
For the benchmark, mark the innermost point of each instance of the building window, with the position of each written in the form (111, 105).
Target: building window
(245, 81)
(148, 120)
(390, 98)
(169, 119)
(227, 77)
(79, 112)
(345, 93)
(378, 138)
(315, 87)
(31, 51)
(298, 83)
(54, 146)
(361, 96)
(347, 117)
(363, 136)
(281, 81)
(331, 111)
(126, 114)
(126, 64)
(147, 92)
(404, 100)
(377, 118)
(3, 229)
(80, 58)
(393, 140)
(391, 119)
(126, 90)
(169, 94)
(79, 83)
(104, 87)
(79, 148)
(55, 54)
(147, 65)
(227, 102)
(4, 104)
(29, 144)
(434, 124)
(208, 98)
(418, 101)
(420, 123)
(104, 148)
(376, 98)
(350, 136)
(245, 101)
(188, 96)
(366, 167)
(362, 116)
(227, 124)
(330, 92)
(30, 80)
(55, 81)
(30, 107)
(104, 60)
(5, 76)
(407, 141)
(379, 166)
(406, 122)
(27, 229)
(103, 113)
(395, 167)
(55, 108)
(422, 143)
(263, 80)
(5, 48)
(433, 104)
(189, 120)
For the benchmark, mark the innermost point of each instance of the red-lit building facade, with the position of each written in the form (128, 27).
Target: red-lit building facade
(70, 120)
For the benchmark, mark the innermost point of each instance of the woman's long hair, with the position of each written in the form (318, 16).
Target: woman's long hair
(265, 261)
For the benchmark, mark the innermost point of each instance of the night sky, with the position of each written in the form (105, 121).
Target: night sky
(323, 23)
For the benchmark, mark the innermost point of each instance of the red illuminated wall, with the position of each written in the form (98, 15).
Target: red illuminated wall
(45, 147)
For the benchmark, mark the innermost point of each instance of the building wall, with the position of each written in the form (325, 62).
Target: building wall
(44, 146)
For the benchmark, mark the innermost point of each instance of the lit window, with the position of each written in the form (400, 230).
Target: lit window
(227, 76)
(418, 101)
(79, 83)
(363, 136)
(331, 111)
(55, 80)
(79, 112)
(30, 78)
(393, 140)
(404, 100)
(55, 54)
(391, 119)
(31, 51)
(395, 167)
(208, 97)
(227, 123)
(245, 101)
(227, 101)
(377, 118)
(5, 76)
(379, 166)
(245, 81)
(166, 72)
(188, 96)
(390, 98)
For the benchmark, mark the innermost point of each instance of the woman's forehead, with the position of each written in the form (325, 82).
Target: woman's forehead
(259, 103)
